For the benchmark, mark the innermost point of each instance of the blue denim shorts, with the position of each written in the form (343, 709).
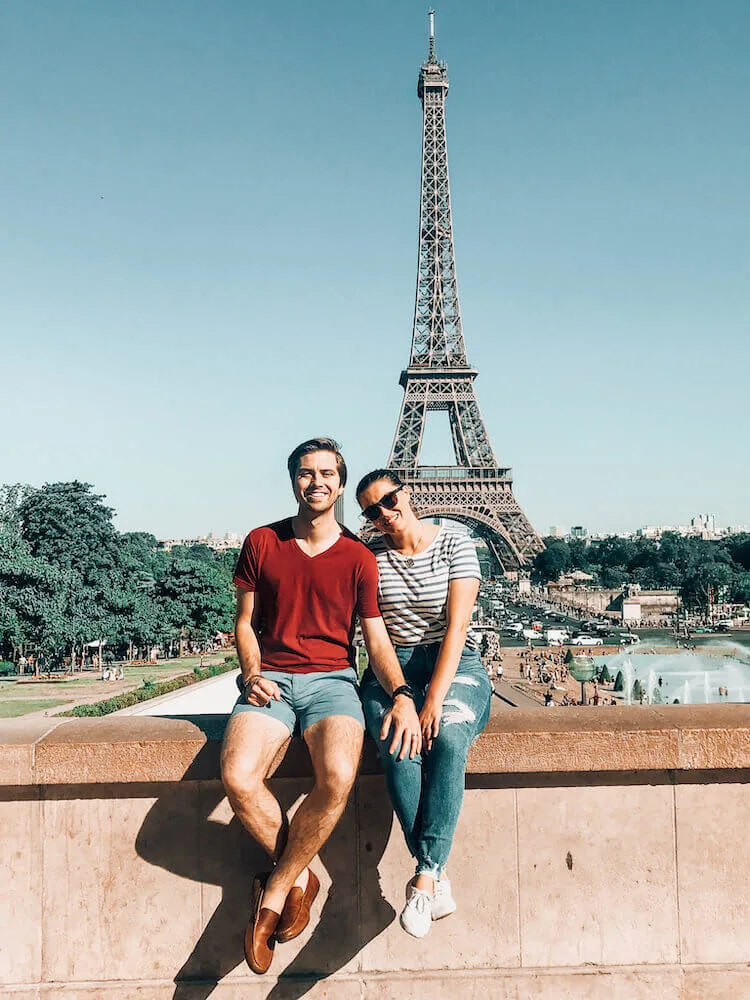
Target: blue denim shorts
(308, 698)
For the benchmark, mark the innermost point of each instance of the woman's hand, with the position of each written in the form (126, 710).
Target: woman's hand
(429, 719)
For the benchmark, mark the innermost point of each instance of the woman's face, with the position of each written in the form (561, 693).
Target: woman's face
(387, 520)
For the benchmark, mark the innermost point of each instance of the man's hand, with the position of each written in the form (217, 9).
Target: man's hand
(402, 718)
(260, 690)
(429, 720)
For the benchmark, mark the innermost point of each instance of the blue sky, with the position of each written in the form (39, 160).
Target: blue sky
(208, 248)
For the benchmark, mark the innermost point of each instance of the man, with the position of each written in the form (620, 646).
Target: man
(301, 583)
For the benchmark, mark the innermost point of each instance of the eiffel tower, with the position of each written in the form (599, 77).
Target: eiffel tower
(476, 490)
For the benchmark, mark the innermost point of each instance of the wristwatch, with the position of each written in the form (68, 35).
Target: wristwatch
(404, 689)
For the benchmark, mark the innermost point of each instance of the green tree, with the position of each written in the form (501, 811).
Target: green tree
(196, 597)
(741, 588)
(703, 582)
(69, 526)
(552, 561)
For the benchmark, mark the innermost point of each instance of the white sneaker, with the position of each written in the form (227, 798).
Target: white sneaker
(416, 916)
(443, 903)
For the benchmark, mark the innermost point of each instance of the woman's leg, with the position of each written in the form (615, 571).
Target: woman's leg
(465, 713)
(403, 777)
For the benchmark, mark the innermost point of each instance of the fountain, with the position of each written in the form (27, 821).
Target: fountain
(686, 699)
(685, 677)
(627, 669)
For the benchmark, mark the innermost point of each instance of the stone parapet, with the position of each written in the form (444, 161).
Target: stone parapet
(130, 749)
(599, 855)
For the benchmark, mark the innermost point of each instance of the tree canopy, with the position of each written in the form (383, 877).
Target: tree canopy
(703, 571)
(68, 577)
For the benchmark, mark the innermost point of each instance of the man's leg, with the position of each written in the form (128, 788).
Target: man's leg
(335, 745)
(251, 742)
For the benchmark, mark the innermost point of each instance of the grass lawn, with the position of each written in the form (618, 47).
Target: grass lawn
(18, 699)
(15, 709)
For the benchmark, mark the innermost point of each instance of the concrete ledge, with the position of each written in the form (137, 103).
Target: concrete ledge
(598, 856)
(137, 749)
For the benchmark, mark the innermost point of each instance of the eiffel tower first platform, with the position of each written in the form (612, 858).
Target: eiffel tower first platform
(476, 490)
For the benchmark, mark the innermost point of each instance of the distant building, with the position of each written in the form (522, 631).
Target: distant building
(701, 526)
(578, 531)
(231, 540)
(557, 531)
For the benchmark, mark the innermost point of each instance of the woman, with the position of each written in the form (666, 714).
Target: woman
(429, 580)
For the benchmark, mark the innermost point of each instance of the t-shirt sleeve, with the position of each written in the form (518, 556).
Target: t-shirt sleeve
(246, 570)
(367, 587)
(463, 560)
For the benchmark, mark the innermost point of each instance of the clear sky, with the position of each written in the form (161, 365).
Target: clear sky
(208, 248)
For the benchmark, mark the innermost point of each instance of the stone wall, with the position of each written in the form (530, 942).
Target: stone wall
(654, 604)
(600, 855)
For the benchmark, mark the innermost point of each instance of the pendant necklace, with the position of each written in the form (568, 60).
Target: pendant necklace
(410, 560)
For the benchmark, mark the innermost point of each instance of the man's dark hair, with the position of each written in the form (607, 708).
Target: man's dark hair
(372, 477)
(316, 444)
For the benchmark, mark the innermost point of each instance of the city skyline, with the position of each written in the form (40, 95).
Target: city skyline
(188, 292)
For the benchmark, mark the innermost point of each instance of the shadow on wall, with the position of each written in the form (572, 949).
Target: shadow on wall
(227, 857)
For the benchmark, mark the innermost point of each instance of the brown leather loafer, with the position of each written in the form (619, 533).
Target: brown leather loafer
(296, 913)
(259, 936)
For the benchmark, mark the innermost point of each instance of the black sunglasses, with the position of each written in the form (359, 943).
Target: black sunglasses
(387, 502)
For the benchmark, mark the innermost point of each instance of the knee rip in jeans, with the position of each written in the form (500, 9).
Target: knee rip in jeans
(468, 681)
(456, 711)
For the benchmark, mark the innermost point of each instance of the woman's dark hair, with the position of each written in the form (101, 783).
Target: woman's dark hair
(316, 444)
(372, 477)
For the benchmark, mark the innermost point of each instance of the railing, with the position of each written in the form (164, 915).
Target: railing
(454, 472)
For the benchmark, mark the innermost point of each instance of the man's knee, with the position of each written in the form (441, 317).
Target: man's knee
(248, 754)
(238, 778)
(337, 778)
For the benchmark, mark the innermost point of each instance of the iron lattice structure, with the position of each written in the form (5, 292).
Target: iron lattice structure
(476, 490)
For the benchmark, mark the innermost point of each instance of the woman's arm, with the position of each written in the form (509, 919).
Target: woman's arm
(462, 596)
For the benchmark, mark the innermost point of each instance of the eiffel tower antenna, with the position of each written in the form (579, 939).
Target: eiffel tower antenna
(476, 490)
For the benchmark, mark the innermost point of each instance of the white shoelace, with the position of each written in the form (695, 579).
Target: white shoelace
(420, 900)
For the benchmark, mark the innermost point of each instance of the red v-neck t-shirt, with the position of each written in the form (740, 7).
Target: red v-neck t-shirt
(307, 605)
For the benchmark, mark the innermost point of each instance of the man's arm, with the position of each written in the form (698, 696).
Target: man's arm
(259, 690)
(402, 716)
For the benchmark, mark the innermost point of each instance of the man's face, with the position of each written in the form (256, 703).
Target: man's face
(317, 484)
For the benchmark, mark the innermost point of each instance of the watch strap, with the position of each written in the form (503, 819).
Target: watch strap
(403, 689)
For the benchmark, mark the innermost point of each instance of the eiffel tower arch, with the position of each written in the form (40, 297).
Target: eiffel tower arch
(476, 490)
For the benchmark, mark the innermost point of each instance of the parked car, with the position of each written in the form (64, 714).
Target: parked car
(586, 640)
(725, 624)
(628, 638)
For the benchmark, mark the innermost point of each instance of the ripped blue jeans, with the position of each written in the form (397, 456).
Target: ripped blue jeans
(427, 792)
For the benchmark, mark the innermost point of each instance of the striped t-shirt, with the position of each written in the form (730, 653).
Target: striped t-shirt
(413, 590)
